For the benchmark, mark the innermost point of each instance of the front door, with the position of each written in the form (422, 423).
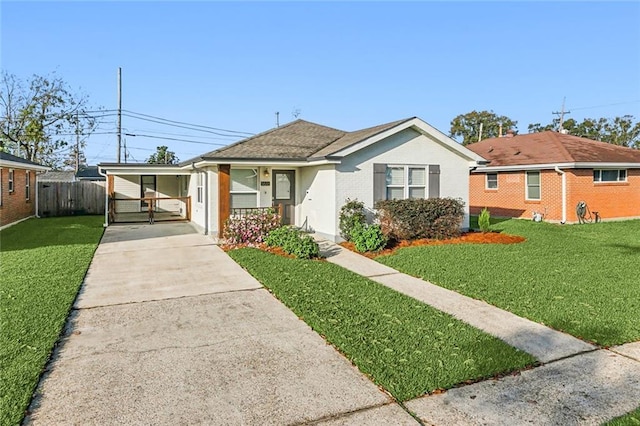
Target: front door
(284, 193)
(147, 184)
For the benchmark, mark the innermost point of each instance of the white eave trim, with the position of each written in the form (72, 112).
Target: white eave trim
(489, 168)
(423, 128)
(132, 170)
(19, 165)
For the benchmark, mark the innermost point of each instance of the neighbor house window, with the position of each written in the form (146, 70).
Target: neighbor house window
(200, 188)
(492, 181)
(533, 185)
(27, 184)
(406, 182)
(610, 175)
(10, 180)
(0, 186)
(244, 188)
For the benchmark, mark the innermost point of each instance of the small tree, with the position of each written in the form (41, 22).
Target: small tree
(163, 156)
(484, 220)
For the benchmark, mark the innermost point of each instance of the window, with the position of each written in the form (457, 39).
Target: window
(610, 175)
(406, 182)
(533, 185)
(27, 185)
(0, 186)
(200, 188)
(244, 188)
(10, 180)
(492, 181)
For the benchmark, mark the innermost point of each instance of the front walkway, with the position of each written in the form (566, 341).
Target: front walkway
(168, 329)
(578, 383)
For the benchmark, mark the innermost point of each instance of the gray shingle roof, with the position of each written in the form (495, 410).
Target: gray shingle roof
(8, 157)
(298, 140)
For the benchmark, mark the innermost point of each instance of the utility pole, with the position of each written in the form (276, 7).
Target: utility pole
(561, 115)
(480, 133)
(77, 143)
(119, 111)
(125, 151)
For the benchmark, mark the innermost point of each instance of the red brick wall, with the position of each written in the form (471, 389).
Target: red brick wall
(14, 205)
(509, 200)
(610, 200)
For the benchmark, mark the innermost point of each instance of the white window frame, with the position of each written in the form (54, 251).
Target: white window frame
(256, 191)
(486, 181)
(597, 175)
(526, 185)
(11, 183)
(27, 185)
(200, 188)
(406, 187)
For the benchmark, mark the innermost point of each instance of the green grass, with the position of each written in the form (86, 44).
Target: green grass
(582, 279)
(43, 263)
(404, 345)
(630, 419)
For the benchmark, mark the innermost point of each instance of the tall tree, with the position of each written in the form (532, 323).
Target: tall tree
(40, 118)
(163, 156)
(618, 131)
(468, 126)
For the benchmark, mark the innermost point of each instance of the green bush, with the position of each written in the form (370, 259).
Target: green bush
(368, 238)
(484, 220)
(351, 215)
(293, 242)
(420, 218)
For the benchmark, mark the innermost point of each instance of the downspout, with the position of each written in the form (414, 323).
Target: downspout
(206, 202)
(564, 194)
(106, 197)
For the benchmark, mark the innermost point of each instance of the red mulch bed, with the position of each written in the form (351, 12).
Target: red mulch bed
(466, 238)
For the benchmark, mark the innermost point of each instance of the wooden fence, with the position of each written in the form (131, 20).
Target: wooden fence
(69, 198)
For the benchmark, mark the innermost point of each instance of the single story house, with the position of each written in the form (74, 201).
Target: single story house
(18, 194)
(84, 173)
(550, 173)
(305, 169)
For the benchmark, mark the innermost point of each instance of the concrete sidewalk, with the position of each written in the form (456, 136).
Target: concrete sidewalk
(169, 330)
(579, 383)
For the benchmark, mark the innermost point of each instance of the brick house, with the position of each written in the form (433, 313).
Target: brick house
(550, 173)
(18, 188)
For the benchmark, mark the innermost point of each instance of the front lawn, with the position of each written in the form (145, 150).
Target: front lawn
(582, 279)
(43, 263)
(404, 345)
(630, 419)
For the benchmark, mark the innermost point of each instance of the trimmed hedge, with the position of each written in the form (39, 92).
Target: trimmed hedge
(413, 219)
(293, 242)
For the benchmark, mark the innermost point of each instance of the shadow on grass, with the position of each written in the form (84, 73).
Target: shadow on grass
(627, 248)
(47, 232)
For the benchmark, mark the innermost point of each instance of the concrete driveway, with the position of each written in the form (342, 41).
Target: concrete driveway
(168, 329)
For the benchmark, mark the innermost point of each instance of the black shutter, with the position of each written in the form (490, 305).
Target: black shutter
(379, 182)
(434, 181)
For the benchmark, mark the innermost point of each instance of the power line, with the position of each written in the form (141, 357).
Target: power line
(174, 139)
(607, 105)
(188, 124)
(178, 125)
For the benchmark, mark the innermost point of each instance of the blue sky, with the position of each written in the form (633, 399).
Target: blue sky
(346, 65)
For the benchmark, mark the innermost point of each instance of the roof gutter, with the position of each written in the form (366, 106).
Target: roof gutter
(564, 194)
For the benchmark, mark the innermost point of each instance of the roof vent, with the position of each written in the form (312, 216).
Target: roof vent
(510, 133)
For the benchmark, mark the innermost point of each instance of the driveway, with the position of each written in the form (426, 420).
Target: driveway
(168, 329)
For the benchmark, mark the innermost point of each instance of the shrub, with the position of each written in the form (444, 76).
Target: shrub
(351, 215)
(420, 218)
(368, 238)
(251, 228)
(293, 242)
(484, 220)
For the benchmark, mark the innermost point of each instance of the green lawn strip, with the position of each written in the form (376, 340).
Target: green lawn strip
(582, 279)
(630, 419)
(404, 345)
(43, 263)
